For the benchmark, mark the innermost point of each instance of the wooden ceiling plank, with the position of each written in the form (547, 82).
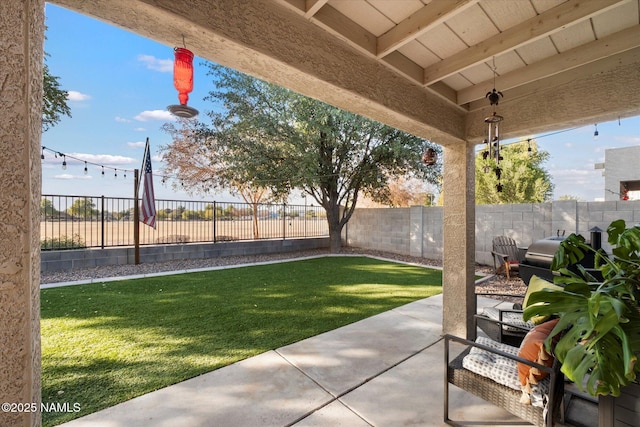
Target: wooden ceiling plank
(313, 6)
(420, 22)
(608, 46)
(546, 23)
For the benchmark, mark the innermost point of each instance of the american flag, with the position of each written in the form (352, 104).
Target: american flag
(148, 211)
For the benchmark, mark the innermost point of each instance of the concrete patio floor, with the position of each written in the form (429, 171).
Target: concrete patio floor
(386, 370)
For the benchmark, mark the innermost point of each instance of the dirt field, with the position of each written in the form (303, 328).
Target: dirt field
(120, 233)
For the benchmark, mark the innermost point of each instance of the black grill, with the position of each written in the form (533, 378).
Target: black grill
(540, 255)
(538, 259)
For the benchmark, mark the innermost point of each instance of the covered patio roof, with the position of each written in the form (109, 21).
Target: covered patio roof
(423, 66)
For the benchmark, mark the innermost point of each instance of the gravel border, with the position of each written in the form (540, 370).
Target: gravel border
(490, 284)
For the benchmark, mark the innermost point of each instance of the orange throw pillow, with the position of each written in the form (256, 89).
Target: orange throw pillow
(532, 348)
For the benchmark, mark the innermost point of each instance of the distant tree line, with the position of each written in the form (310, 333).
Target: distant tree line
(85, 209)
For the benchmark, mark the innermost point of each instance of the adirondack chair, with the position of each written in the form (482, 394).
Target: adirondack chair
(505, 255)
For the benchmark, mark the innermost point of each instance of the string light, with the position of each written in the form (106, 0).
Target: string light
(595, 134)
(115, 174)
(57, 154)
(164, 178)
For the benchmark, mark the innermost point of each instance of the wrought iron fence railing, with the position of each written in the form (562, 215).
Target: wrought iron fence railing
(72, 222)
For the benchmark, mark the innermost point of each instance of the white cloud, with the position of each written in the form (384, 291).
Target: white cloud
(80, 158)
(73, 95)
(66, 176)
(122, 120)
(140, 129)
(139, 144)
(163, 115)
(586, 183)
(155, 64)
(631, 140)
(63, 176)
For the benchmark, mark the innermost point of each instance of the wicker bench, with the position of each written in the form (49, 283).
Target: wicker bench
(500, 395)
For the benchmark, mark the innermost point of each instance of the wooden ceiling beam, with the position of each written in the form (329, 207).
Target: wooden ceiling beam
(613, 44)
(548, 22)
(313, 6)
(336, 23)
(423, 20)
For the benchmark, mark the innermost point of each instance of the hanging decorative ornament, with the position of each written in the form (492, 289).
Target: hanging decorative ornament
(183, 82)
(498, 172)
(430, 157)
(493, 129)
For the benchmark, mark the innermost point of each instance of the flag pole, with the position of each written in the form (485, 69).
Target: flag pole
(136, 215)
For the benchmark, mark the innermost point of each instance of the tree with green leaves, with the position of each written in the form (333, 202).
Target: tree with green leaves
(523, 177)
(83, 208)
(47, 210)
(54, 102)
(273, 138)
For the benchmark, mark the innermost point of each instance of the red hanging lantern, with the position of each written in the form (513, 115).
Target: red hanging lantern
(183, 82)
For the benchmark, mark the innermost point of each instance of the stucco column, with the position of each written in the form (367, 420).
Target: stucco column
(21, 39)
(459, 303)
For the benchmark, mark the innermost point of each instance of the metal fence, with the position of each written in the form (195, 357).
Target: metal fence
(72, 222)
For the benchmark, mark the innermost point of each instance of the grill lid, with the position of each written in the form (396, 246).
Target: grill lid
(540, 253)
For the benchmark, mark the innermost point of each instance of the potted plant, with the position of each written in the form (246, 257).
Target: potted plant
(599, 326)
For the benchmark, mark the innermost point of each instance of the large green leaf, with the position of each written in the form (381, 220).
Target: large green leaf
(597, 338)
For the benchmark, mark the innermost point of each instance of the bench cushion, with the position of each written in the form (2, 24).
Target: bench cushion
(503, 370)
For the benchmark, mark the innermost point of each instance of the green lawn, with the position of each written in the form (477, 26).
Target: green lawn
(106, 343)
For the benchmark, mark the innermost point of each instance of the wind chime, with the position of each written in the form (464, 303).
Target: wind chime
(183, 82)
(492, 142)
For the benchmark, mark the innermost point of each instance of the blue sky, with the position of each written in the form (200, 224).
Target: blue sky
(120, 84)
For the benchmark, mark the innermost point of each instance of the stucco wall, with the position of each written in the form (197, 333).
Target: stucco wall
(418, 230)
(621, 164)
(21, 38)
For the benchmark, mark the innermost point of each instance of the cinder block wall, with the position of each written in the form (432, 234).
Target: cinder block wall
(381, 229)
(417, 231)
(84, 258)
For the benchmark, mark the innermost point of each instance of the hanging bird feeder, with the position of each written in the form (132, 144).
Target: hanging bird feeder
(183, 82)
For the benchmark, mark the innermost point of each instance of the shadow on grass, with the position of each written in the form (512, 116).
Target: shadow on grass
(106, 343)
